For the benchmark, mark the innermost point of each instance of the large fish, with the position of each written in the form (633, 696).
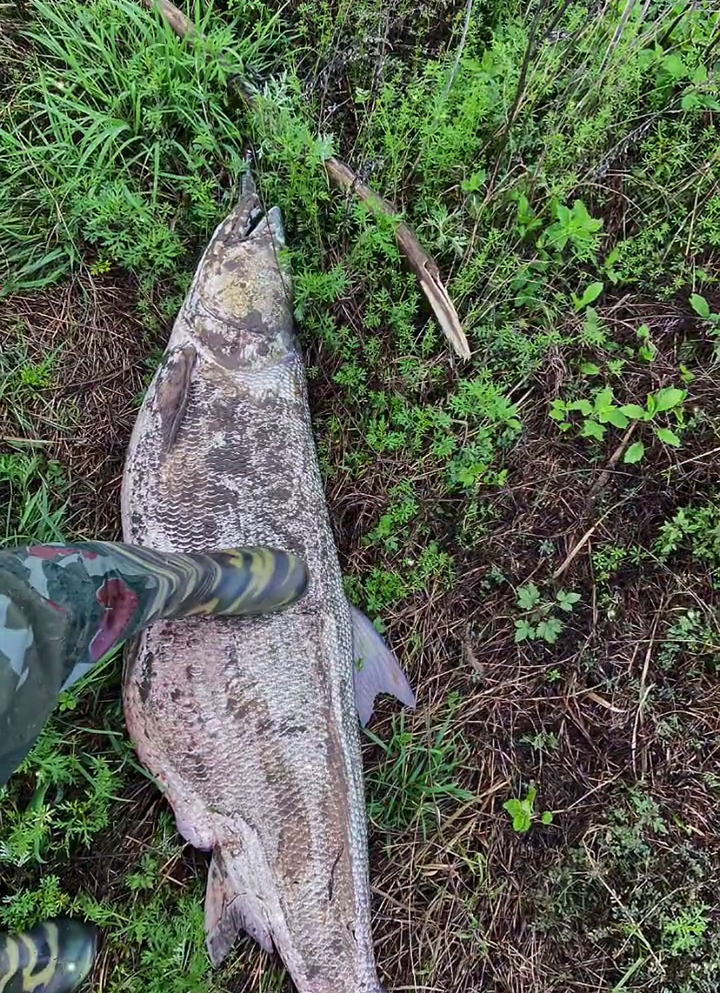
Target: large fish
(250, 726)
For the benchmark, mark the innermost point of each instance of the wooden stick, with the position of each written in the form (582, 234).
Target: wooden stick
(344, 178)
(578, 547)
(422, 264)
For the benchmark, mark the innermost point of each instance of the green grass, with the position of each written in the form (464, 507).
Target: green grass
(535, 530)
(110, 157)
(419, 775)
(30, 489)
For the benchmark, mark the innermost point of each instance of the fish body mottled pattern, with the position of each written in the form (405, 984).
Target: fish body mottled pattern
(53, 957)
(250, 725)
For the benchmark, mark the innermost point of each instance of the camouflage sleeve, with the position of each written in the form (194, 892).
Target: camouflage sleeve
(65, 607)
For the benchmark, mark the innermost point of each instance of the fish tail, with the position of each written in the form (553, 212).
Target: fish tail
(231, 906)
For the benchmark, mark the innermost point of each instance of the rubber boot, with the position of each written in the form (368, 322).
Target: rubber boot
(53, 957)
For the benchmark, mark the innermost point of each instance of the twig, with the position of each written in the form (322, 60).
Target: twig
(519, 91)
(522, 80)
(615, 40)
(661, 42)
(576, 549)
(601, 701)
(343, 177)
(695, 458)
(643, 695)
(422, 264)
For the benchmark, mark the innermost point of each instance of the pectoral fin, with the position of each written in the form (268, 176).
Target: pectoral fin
(376, 668)
(173, 389)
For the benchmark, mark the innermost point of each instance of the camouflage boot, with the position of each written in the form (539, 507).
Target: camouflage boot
(54, 957)
(64, 607)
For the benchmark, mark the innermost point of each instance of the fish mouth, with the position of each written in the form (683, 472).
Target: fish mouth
(253, 220)
(253, 213)
(250, 214)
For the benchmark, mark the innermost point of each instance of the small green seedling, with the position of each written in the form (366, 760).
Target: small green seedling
(474, 183)
(527, 219)
(591, 293)
(702, 308)
(540, 621)
(594, 331)
(602, 411)
(648, 349)
(523, 812)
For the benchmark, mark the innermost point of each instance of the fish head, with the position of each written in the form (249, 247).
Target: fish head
(240, 305)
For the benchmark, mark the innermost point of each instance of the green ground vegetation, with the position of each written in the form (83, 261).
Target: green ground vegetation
(537, 530)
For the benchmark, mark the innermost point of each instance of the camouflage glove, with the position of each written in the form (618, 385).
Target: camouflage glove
(64, 607)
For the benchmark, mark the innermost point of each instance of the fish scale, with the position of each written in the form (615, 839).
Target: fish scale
(250, 725)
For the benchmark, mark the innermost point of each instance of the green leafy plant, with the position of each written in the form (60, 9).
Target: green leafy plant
(686, 931)
(712, 319)
(589, 295)
(543, 741)
(603, 411)
(647, 349)
(527, 219)
(540, 620)
(702, 308)
(522, 811)
(575, 227)
(695, 528)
